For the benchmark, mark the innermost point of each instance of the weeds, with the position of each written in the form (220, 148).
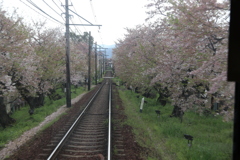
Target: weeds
(212, 138)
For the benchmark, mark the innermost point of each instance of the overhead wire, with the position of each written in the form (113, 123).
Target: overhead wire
(58, 6)
(79, 32)
(46, 15)
(94, 15)
(33, 4)
(95, 18)
(36, 6)
(39, 12)
(52, 8)
(78, 17)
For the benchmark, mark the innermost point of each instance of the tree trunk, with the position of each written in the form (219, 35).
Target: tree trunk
(162, 100)
(5, 119)
(34, 102)
(177, 112)
(163, 94)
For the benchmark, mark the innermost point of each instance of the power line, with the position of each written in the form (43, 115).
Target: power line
(86, 21)
(38, 12)
(79, 32)
(57, 6)
(94, 15)
(52, 8)
(95, 18)
(59, 14)
(33, 4)
(78, 17)
(81, 17)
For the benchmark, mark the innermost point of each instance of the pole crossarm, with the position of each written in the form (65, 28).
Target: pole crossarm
(86, 24)
(98, 46)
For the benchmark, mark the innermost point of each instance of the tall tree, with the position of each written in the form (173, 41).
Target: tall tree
(183, 51)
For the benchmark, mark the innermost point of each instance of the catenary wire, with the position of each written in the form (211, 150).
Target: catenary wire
(83, 19)
(40, 13)
(78, 17)
(95, 18)
(79, 32)
(52, 8)
(33, 4)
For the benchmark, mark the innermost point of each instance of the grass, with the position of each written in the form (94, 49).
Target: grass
(212, 138)
(25, 122)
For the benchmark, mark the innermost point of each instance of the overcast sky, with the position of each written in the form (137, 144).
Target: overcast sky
(113, 15)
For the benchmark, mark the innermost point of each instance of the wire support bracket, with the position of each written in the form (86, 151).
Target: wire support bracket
(85, 25)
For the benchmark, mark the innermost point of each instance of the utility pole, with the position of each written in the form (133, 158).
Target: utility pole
(104, 62)
(68, 83)
(100, 68)
(96, 63)
(89, 61)
(104, 59)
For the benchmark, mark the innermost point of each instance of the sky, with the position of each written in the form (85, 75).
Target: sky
(113, 15)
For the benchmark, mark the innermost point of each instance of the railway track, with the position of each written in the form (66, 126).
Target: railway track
(90, 137)
(86, 136)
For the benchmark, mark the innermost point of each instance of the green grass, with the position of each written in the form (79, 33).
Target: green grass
(25, 122)
(212, 138)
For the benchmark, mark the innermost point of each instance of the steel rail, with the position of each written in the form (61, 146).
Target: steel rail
(109, 121)
(55, 151)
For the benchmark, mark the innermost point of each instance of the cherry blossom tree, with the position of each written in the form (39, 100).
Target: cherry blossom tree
(13, 46)
(186, 47)
(79, 51)
(32, 61)
(48, 48)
